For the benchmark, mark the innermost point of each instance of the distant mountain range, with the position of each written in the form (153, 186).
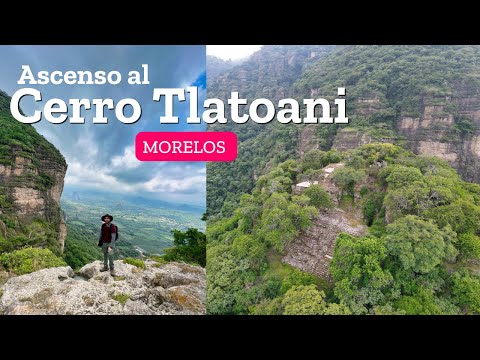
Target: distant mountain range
(72, 193)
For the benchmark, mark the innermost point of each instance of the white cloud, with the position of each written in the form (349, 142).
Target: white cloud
(128, 160)
(188, 183)
(92, 176)
(232, 52)
(162, 182)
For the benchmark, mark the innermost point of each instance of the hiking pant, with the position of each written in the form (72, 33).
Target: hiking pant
(108, 256)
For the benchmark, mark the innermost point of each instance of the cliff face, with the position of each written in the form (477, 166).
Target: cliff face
(448, 128)
(424, 98)
(32, 173)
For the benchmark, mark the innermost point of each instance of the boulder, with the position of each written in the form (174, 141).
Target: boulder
(161, 289)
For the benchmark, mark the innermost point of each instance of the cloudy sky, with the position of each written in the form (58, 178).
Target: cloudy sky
(101, 156)
(232, 52)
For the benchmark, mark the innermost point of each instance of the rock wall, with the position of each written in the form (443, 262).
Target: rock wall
(448, 128)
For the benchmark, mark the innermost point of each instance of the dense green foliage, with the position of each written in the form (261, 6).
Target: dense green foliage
(29, 260)
(421, 253)
(419, 257)
(318, 197)
(23, 139)
(431, 217)
(244, 271)
(17, 235)
(189, 246)
(261, 147)
(396, 81)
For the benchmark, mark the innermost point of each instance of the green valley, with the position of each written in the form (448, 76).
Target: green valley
(145, 225)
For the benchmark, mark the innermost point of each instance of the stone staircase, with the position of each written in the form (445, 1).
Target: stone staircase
(313, 250)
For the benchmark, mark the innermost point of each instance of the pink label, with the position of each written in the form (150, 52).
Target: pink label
(186, 146)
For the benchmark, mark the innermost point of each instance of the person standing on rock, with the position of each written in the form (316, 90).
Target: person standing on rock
(107, 242)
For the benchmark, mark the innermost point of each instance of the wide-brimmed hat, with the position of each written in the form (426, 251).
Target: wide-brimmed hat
(104, 216)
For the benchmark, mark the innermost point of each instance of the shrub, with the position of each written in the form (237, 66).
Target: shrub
(29, 260)
(135, 262)
(159, 259)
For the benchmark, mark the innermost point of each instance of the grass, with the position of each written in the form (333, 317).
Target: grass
(119, 278)
(121, 298)
(159, 259)
(346, 201)
(135, 262)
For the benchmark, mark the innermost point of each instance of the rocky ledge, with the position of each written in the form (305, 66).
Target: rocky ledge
(159, 289)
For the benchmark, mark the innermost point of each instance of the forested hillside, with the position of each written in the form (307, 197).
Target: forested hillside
(422, 97)
(374, 217)
(268, 73)
(419, 254)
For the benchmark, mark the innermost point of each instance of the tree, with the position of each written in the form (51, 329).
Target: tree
(469, 246)
(346, 178)
(318, 196)
(356, 267)
(466, 291)
(419, 245)
(190, 246)
(411, 199)
(224, 280)
(461, 215)
(403, 175)
(295, 278)
(421, 303)
(313, 159)
(250, 249)
(282, 220)
(304, 300)
(337, 309)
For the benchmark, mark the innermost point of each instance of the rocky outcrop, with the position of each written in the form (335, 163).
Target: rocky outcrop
(159, 289)
(349, 138)
(307, 140)
(32, 173)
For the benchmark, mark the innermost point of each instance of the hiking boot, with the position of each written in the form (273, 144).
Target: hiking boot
(112, 272)
(104, 269)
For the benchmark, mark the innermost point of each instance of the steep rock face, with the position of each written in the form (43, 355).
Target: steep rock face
(32, 173)
(427, 95)
(173, 288)
(448, 128)
(350, 139)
